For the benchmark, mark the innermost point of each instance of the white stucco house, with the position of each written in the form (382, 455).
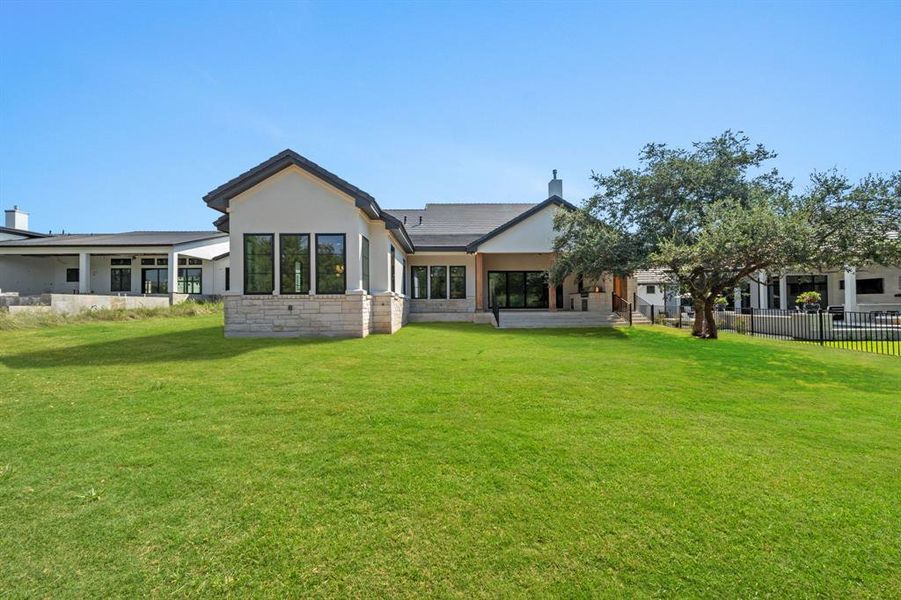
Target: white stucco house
(313, 254)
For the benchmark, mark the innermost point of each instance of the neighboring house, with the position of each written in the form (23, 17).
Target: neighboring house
(872, 289)
(192, 263)
(315, 255)
(656, 287)
(16, 226)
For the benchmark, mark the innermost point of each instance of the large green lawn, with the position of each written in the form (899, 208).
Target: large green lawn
(157, 458)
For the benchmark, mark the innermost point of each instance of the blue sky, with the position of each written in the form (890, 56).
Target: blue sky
(120, 116)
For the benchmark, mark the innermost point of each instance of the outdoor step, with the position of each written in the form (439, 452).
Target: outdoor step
(525, 320)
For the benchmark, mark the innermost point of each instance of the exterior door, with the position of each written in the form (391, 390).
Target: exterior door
(619, 286)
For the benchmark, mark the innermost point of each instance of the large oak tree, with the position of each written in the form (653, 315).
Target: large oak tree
(715, 216)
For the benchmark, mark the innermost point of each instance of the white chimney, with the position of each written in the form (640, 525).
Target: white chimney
(16, 219)
(555, 186)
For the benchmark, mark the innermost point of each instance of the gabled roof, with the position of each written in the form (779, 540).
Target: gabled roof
(23, 232)
(452, 226)
(553, 200)
(219, 198)
(129, 238)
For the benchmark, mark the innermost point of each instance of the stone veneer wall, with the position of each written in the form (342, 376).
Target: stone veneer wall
(390, 312)
(340, 315)
(443, 306)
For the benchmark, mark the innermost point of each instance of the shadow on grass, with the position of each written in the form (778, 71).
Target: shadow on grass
(203, 344)
(558, 332)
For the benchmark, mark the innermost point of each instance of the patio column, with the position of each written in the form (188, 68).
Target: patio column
(758, 290)
(84, 273)
(173, 273)
(850, 289)
(480, 285)
(736, 298)
(783, 293)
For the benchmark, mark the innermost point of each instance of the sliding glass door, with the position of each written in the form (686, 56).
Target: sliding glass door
(518, 289)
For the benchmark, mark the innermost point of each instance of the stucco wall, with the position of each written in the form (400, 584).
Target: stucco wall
(294, 201)
(535, 234)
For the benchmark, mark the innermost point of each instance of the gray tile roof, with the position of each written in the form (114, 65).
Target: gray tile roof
(455, 225)
(129, 238)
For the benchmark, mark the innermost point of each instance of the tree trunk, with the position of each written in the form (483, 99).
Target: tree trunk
(697, 328)
(710, 322)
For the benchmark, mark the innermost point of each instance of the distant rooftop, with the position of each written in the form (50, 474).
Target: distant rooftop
(129, 238)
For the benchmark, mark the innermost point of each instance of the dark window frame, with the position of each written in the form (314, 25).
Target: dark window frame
(344, 260)
(309, 263)
(159, 281)
(228, 279)
(446, 281)
(878, 288)
(365, 264)
(271, 237)
(113, 279)
(180, 283)
(450, 285)
(393, 254)
(120, 262)
(413, 281)
(522, 290)
(148, 262)
(69, 275)
(650, 289)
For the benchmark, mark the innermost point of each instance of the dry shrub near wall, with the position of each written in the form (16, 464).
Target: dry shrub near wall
(189, 308)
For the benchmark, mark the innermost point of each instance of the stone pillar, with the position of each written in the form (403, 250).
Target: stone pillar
(736, 298)
(783, 293)
(173, 272)
(84, 273)
(480, 283)
(850, 289)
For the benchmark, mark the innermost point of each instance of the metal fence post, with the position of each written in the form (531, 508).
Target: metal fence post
(822, 333)
(751, 319)
(652, 314)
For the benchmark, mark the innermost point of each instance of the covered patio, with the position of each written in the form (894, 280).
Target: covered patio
(164, 264)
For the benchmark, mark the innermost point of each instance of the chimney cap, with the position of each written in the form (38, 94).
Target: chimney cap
(555, 173)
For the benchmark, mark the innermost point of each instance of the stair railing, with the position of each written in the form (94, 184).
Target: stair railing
(496, 310)
(622, 308)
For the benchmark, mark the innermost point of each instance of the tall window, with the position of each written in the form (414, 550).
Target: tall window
(419, 280)
(155, 281)
(364, 261)
(228, 279)
(457, 282)
(393, 269)
(403, 277)
(259, 264)
(190, 281)
(294, 263)
(331, 274)
(438, 282)
(120, 279)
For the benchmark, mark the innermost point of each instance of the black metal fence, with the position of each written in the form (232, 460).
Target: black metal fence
(877, 332)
